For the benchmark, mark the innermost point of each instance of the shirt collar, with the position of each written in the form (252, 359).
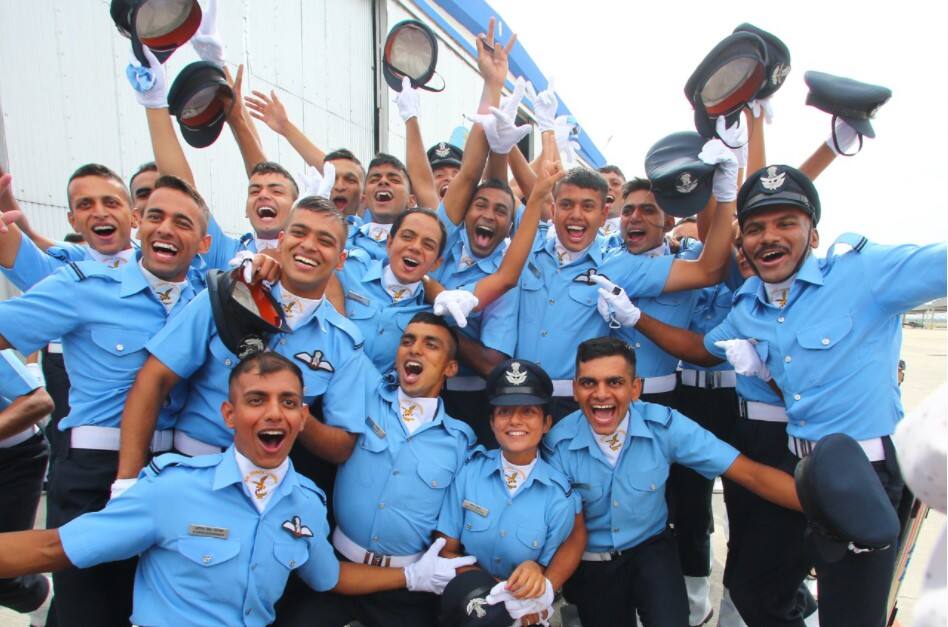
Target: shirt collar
(113, 261)
(228, 473)
(316, 313)
(392, 285)
(586, 438)
(594, 250)
(265, 244)
(392, 396)
(133, 281)
(376, 231)
(541, 470)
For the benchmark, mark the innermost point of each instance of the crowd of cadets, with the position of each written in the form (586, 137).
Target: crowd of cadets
(454, 339)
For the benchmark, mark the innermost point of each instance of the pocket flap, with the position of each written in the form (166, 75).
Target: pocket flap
(208, 551)
(826, 334)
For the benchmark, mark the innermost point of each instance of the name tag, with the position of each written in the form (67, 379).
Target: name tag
(474, 507)
(359, 298)
(208, 532)
(376, 429)
(580, 486)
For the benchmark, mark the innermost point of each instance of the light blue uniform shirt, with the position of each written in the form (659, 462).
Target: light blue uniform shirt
(207, 556)
(557, 313)
(326, 347)
(389, 493)
(370, 307)
(105, 317)
(625, 505)
(500, 530)
(359, 239)
(224, 247)
(834, 346)
(15, 379)
(712, 307)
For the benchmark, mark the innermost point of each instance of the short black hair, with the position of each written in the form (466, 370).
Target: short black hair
(173, 182)
(271, 167)
(383, 158)
(495, 183)
(426, 317)
(638, 184)
(428, 212)
(605, 347)
(345, 154)
(584, 178)
(148, 166)
(96, 169)
(318, 204)
(263, 363)
(611, 169)
(74, 238)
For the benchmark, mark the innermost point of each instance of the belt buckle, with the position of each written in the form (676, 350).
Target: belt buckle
(711, 379)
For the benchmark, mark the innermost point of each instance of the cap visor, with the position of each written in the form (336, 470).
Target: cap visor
(204, 136)
(863, 127)
(684, 206)
(518, 400)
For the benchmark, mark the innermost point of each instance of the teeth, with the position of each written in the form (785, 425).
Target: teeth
(165, 246)
(306, 261)
(610, 198)
(383, 196)
(484, 230)
(272, 432)
(413, 367)
(516, 433)
(411, 262)
(603, 406)
(266, 212)
(575, 229)
(104, 229)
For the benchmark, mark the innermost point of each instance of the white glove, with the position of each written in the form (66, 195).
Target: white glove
(717, 154)
(735, 138)
(207, 42)
(500, 122)
(119, 486)
(743, 356)
(432, 573)
(37, 371)
(408, 100)
(244, 259)
(762, 106)
(457, 303)
(518, 608)
(544, 106)
(316, 184)
(846, 137)
(149, 83)
(565, 144)
(614, 305)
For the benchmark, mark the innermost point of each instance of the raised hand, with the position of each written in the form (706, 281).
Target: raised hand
(269, 110)
(544, 106)
(492, 57)
(207, 41)
(149, 83)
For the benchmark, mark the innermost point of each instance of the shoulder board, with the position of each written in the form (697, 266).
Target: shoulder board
(58, 253)
(347, 326)
(169, 460)
(560, 479)
(307, 484)
(91, 268)
(854, 241)
(453, 424)
(358, 254)
(653, 412)
(477, 453)
(565, 429)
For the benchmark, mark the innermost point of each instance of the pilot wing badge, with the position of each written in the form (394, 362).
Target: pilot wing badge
(316, 361)
(297, 529)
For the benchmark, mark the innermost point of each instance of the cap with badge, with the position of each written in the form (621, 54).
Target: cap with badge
(776, 185)
(245, 315)
(516, 383)
(200, 98)
(411, 49)
(681, 182)
(464, 602)
(444, 154)
(845, 504)
(854, 102)
(162, 25)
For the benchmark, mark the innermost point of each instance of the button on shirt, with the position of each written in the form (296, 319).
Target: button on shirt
(90, 307)
(501, 530)
(326, 347)
(557, 312)
(389, 492)
(832, 349)
(370, 306)
(625, 505)
(228, 563)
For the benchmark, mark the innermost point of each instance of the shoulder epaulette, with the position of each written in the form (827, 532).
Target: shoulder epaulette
(347, 326)
(653, 412)
(169, 460)
(565, 429)
(307, 484)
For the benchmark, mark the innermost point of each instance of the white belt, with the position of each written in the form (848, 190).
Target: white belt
(193, 447)
(873, 448)
(710, 379)
(110, 438)
(466, 384)
(657, 385)
(19, 438)
(754, 410)
(54, 348)
(355, 553)
(563, 387)
(592, 556)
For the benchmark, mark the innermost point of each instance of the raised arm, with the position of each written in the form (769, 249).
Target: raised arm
(140, 415)
(416, 160)
(765, 481)
(522, 172)
(242, 126)
(270, 111)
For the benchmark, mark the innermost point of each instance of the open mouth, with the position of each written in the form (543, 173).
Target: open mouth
(603, 413)
(483, 235)
(410, 263)
(634, 235)
(271, 439)
(771, 256)
(575, 233)
(341, 202)
(164, 250)
(443, 190)
(412, 370)
(610, 199)
(305, 261)
(104, 230)
(516, 434)
(384, 196)
(265, 212)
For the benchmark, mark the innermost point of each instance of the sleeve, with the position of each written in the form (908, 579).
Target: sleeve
(561, 517)
(553, 457)
(15, 379)
(321, 570)
(451, 228)
(182, 344)
(724, 331)
(499, 322)
(451, 518)
(905, 276)
(222, 247)
(31, 265)
(638, 275)
(123, 529)
(49, 308)
(343, 405)
(689, 444)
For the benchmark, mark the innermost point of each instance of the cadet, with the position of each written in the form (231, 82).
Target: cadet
(395, 473)
(508, 507)
(230, 527)
(23, 455)
(616, 452)
(89, 306)
(387, 194)
(829, 338)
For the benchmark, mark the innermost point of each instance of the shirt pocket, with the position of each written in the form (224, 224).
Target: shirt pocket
(291, 554)
(208, 552)
(372, 448)
(123, 348)
(475, 523)
(585, 295)
(359, 307)
(531, 540)
(648, 481)
(814, 362)
(221, 353)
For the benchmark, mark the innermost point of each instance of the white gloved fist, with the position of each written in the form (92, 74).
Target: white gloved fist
(614, 305)
(119, 486)
(408, 100)
(432, 573)
(846, 137)
(762, 106)
(207, 42)
(316, 184)
(243, 259)
(149, 83)
(518, 608)
(735, 138)
(544, 106)
(714, 152)
(565, 144)
(457, 303)
(743, 356)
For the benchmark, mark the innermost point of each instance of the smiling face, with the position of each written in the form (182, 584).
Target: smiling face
(173, 229)
(386, 192)
(269, 200)
(266, 413)
(413, 250)
(578, 213)
(775, 241)
(142, 186)
(519, 430)
(643, 224)
(99, 210)
(442, 178)
(310, 249)
(424, 359)
(488, 220)
(347, 190)
(613, 198)
(604, 387)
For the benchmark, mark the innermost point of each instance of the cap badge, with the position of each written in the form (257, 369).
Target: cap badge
(774, 179)
(476, 607)
(442, 150)
(779, 74)
(515, 376)
(686, 183)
